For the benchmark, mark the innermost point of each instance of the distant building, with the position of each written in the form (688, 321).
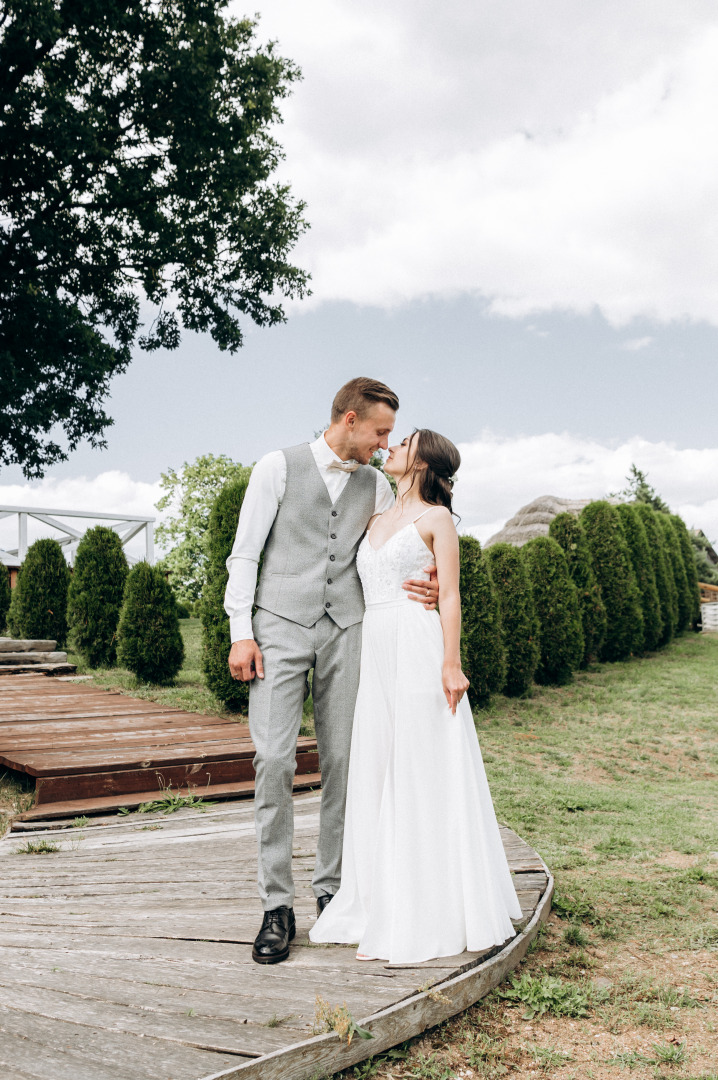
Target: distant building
(534, 519)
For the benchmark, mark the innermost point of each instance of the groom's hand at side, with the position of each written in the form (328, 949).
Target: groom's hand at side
(245, 660)
(426, 592)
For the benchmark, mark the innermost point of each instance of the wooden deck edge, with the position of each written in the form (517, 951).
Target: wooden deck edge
(324, 1055)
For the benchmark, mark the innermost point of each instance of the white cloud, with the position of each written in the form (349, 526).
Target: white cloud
(500, 475)
(547, 158)
(636, 344)
(112, 492)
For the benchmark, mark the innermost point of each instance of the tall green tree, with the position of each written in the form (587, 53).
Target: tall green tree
(190, 495)
(482, 650)
(137, 162)
(638, 490)
(39, 601)
(149, 642)
(706, 569)
(665, 583)
(216, 641)
(693, 600)
(95, 595)
(614, 572)
(568, 531)
(5, 595)
(519, 622)
(557, 607)
(677, 567)
(644, 570)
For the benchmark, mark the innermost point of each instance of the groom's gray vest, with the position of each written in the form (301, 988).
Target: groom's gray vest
(309, 558)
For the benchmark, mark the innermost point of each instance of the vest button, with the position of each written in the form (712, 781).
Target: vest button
(327, 604)
(329, 581)
(334, 513)
(332, 558)
(332, 536)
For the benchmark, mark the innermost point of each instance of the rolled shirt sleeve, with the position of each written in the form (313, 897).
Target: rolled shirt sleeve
(264, 493)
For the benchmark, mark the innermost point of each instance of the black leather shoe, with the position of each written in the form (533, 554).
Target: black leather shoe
(271, 944)
(322, 902)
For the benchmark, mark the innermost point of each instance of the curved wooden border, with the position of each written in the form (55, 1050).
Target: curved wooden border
(324, 1055)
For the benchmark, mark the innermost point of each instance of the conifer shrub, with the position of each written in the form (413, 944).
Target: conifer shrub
(95, 595)
(567, 530)
(693, 595)
(519, 622)
(39, 602)
(482, 651)
(645, 573)
(215, 621)
(5, 596)
(678, 569)
(557, 608)
(612, 566)
(665, 584)
(149, 642)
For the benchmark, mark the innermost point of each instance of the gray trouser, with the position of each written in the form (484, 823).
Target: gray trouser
(275, 713)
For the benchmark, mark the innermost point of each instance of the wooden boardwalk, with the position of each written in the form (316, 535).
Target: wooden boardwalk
(91, 750)
(126, 955)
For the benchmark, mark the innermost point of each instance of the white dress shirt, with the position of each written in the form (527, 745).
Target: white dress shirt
(262, 499)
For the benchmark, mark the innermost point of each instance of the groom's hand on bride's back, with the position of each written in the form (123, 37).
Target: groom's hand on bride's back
(425, 592)
(245, 660)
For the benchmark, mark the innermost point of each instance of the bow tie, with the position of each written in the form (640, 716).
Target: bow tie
(345, 466)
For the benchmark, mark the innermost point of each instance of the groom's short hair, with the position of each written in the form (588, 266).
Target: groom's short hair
(358, 395)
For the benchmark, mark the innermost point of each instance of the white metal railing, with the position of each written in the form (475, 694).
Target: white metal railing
(709, 616)
(127, 526)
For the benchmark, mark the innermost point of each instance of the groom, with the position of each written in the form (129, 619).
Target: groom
(307, 508)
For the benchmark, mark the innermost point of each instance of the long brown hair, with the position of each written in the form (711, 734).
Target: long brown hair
(442, 459)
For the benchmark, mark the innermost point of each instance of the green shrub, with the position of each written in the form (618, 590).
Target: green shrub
(677, 567)
(95, 595)
(693, 597)
(215, 621)
(519, 622)
(149, 642)
(39, 602)
(5, 595)
(612, 566)
(568, 531)
(706, 569)
(482, 651)
(183, 610)
(644, 570)
(665, 584)
(556, 600)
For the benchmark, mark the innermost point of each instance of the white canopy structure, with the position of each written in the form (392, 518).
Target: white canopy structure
(71, 531)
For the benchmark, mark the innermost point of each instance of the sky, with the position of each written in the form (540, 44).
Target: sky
(514, 223)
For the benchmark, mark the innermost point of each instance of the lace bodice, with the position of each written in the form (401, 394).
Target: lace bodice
(383, 571)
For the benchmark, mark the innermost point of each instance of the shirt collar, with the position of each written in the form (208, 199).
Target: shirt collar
(323, 453)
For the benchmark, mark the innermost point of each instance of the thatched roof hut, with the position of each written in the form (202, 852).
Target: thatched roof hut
(534, 519)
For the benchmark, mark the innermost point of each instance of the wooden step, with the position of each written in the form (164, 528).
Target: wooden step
(34, 658)
(71, 808)
(8, 644)
(35, 669)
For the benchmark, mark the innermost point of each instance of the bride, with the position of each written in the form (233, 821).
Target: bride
(423, 868)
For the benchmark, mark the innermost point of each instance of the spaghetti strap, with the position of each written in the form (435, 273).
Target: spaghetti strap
(420, 515)
(373, 523)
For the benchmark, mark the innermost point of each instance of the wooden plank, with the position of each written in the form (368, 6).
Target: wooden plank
(327, 1054)
(39, 763)
(129, 1057)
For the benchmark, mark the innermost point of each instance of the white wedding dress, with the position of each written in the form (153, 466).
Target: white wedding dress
(423, 868)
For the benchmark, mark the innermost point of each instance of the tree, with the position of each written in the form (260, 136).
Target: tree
(5, 595)
(665, 584)
(39, 601)
(215, 621)
(612, 565)
(677, 567)
(149, 642)
(519, 622)
(706, 569)
(556, 600)
(693, 598)
(644, 570)
(640, 491)
(482, 650)
(95, 595)
(191, 494)
(568, 531)
(136, 166)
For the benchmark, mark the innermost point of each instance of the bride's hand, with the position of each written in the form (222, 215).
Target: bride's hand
(455, 684)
